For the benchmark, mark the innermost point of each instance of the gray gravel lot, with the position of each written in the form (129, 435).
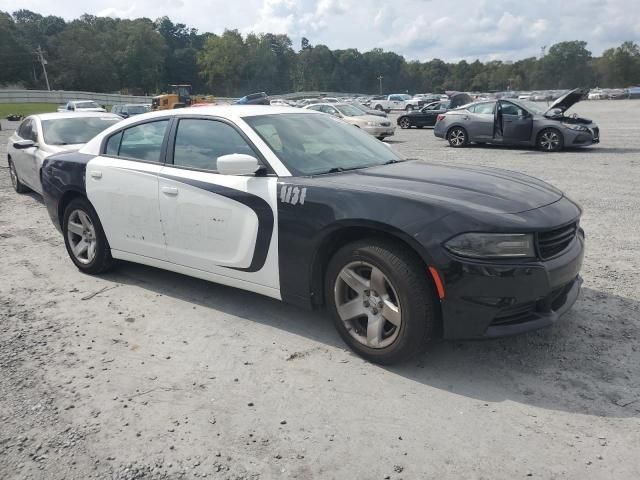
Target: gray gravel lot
(163, 376)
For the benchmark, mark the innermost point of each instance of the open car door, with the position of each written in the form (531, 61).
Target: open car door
(512, 123)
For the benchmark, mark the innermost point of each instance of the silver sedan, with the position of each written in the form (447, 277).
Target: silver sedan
(39, 136)
(519, 122)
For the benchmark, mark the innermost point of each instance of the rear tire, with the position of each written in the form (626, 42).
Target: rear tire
(458, 137)
(379, 108)
(409, 108)
(84, 237)
(387, 311)
(550, 140)
(18, 186)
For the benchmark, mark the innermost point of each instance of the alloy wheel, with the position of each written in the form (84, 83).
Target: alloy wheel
(368, 305)
(457, 137)
(81, 234)
(549, 140)
(13, 175)
(405, 123)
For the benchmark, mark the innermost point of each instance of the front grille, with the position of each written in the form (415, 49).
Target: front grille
(552, 242)
(385, 124)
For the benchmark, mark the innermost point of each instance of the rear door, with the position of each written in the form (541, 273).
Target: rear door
(222, 224)
(481, 120)
(516, 124)
(122, 185)
(431, 112)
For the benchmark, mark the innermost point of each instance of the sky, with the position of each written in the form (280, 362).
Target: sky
(418, 29)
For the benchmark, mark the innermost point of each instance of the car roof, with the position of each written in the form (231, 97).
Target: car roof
(55, 115)
(226, 111)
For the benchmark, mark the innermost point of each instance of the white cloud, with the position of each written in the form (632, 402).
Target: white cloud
(418, 29)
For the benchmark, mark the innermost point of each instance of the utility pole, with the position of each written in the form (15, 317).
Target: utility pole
(380, 77)
(543, 51)
(43, 62)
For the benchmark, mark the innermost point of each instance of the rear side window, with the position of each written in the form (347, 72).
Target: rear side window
(200, 142)
(141, 142)
(486, 108)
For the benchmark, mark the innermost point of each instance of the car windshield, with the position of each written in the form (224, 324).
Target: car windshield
(537, 108)
(312, 144)
(137, 109)
(350, 111)
(88, 104)
(73, 131)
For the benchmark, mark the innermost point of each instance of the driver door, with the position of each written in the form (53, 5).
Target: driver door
(24, 159)
(516, 124)
(221, 224)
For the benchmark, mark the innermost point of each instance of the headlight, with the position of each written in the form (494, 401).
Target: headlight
(575, 126)
(371, 124)
(492, 245)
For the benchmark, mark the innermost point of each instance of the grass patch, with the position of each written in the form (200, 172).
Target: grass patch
(26, 108)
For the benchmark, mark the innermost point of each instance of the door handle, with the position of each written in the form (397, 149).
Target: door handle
(173, 191)
(96, 174)
(466, 117)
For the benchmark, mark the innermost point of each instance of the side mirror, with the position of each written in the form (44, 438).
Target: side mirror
(238, 164)
(22, 144)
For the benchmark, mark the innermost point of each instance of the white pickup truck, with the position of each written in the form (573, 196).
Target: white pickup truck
(81, 106)
(398, 101)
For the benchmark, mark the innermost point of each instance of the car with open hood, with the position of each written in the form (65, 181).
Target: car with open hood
(519, 122)
(298, 206)
(427, 115)
(39, 136)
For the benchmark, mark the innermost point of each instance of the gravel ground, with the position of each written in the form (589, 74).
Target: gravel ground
(143, 373)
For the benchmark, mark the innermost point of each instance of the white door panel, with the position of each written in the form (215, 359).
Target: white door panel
(223, 224)
(125, 195)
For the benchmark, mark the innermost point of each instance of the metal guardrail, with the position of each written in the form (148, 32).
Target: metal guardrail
(63, 96)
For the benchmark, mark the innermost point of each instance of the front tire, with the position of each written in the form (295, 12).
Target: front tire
(18, 186)
(84, 238)
(382, 303)
(458, 137)
(550, 140)
(379, 108)
(405, 123)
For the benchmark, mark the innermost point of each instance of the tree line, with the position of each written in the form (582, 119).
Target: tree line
(143, 56)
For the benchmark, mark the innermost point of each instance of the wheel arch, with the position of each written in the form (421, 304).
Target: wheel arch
(344, 233)
(66, 199)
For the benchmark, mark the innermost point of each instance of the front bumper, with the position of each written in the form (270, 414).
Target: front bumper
(574, 138)
(380, 131)
(488, 300)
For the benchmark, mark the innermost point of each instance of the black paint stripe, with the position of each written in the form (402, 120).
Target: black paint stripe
(258, 205)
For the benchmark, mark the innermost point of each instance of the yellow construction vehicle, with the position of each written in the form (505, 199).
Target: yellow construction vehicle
(179, 97)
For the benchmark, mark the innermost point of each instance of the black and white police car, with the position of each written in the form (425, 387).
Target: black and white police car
(300, 207)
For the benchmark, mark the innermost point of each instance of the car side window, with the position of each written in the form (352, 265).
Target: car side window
(141, 142)
(328, 109)
(315, 107)
(26, 131)
(508, 108)
(483, 108)
(200, 142)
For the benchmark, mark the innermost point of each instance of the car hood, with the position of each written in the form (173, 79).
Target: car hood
(62, 148)
(568, 100)
(458, 99)
(363, 119)
(483, 189)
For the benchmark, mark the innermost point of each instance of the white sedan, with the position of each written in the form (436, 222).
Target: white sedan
(39, 136)
(372, 124)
